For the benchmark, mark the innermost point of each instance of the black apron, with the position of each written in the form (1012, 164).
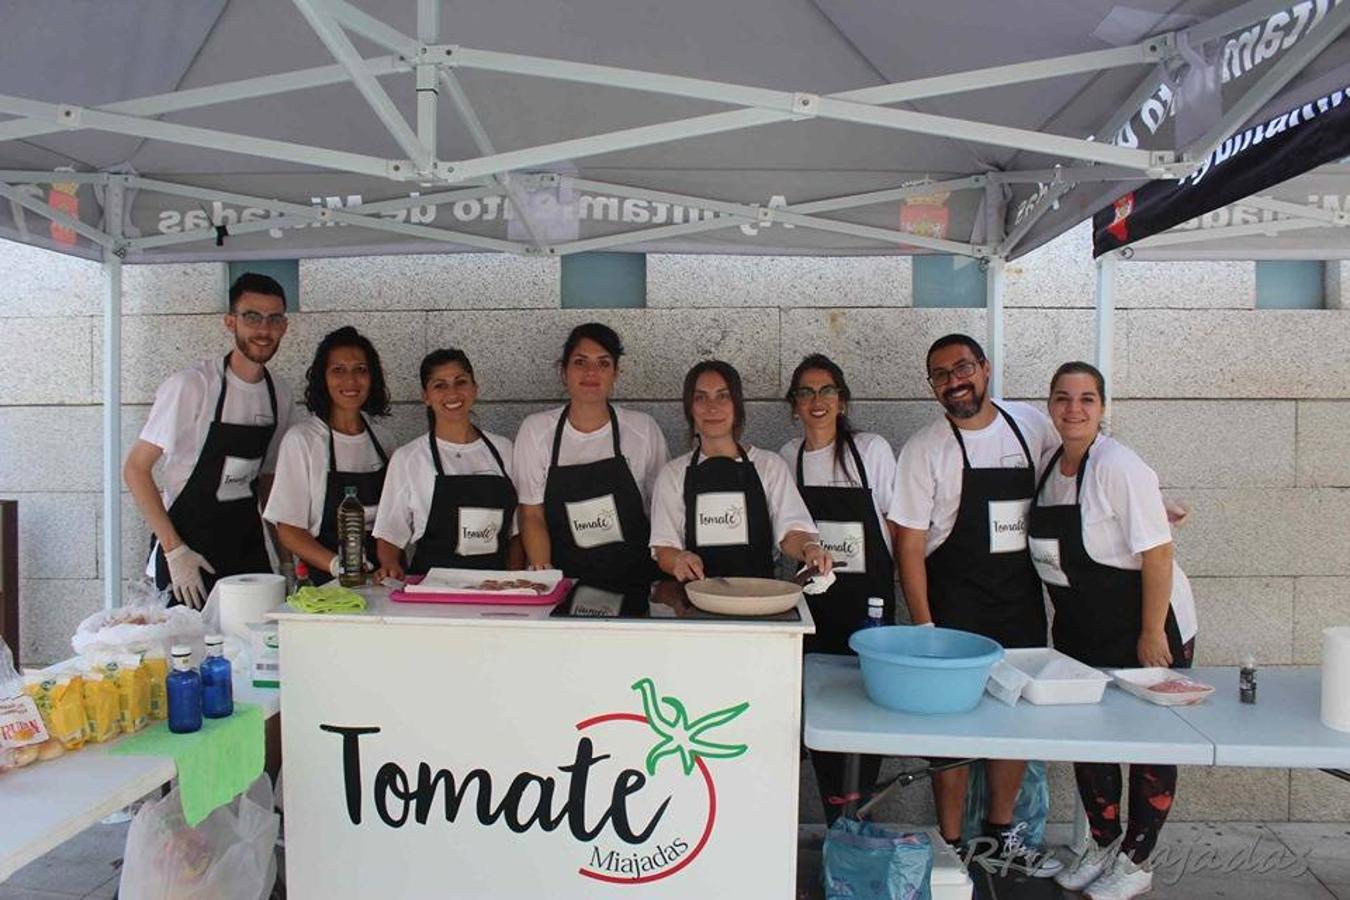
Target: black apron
(216, 513)
(597, 521)
(981, 578)
(733, 533)
(368, 486)
(469, 523)
(849, 530)
(1099, 609)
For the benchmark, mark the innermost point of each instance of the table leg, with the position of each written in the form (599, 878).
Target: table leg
(852, 789)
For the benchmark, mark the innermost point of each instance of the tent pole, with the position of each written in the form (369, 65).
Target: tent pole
(112, 404)
(993, 296)
(1106, 308)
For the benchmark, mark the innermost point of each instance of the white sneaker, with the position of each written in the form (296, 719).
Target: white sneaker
(1088, 864)
(1123, 881)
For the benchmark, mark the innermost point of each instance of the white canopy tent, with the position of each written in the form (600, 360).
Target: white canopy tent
(245, 129)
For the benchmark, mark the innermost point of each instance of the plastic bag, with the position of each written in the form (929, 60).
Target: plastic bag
(1006, 682)
(867, 861)
(1032, 806)
(231, 855)
(142, 623)
(22, 731)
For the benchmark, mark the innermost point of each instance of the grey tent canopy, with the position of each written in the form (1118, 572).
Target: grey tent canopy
(235, 129)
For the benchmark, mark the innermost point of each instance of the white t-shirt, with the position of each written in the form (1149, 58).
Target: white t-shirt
(184, 406)
(410, 482)
(927, 491)
(787, 509)
(640, 440)
(1123, 515)
(820, 469)
(302, 470)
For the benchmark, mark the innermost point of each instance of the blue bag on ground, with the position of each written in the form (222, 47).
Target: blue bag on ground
(867, 861)
(1032, 805)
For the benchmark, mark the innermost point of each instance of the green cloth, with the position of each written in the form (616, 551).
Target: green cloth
(329, 598)
(214, 764)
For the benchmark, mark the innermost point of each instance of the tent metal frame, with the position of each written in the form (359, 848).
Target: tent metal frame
(432, 66)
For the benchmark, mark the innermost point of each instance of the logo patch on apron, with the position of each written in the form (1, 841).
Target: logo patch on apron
(236, 479)
(845, 543)
(1045, 557)
(594, 523)
(1008, 525)
(720, 519)
(478, 530)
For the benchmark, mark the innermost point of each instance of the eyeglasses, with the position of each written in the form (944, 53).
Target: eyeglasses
(807, 394)
(964, 369)
(257, 320)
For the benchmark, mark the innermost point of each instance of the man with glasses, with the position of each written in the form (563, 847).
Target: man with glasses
(963, 488)
(216, 424)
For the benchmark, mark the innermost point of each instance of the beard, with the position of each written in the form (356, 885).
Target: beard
(966, 408)
(254, 353)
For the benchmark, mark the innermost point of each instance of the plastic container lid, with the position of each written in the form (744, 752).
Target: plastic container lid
(213, 639)
(180, 650)
(875, 601)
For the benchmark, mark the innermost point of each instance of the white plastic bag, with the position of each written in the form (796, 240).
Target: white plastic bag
(231, 855)
(141, 623)
(1006, 682)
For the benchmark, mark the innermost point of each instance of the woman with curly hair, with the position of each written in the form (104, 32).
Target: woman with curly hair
(339, 447)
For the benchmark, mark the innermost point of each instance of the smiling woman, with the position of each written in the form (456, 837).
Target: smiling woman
(339, 447)
(451, 491)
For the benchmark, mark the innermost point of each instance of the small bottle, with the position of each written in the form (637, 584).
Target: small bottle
(351, 530)
(217, 690)
(1247, 680)
(876, 612)
(184, 690)
(302, 578)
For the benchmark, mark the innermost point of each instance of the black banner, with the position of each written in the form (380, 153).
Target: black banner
(1245, 163)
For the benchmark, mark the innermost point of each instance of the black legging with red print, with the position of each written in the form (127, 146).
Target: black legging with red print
(1152, 788)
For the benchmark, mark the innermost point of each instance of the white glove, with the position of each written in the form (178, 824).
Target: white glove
(185, 565)
(335, 567)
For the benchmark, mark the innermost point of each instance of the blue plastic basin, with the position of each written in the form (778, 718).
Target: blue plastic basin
(924, 670)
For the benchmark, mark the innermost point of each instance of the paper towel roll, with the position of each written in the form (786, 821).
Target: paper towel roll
(1336, 677)
(247, 598)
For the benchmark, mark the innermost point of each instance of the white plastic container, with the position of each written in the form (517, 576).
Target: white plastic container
(1057, 678)
(1140, 682)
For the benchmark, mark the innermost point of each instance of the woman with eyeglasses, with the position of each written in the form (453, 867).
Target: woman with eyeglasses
(586, 469)
(1099, 539)
(339, 447)
(724, 508)
(846, 478)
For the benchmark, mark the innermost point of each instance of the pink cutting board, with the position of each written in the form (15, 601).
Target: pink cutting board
(553, 596)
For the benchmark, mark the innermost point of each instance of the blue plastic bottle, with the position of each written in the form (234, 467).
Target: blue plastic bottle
(217, 690)
(876, 610)
(184, 689)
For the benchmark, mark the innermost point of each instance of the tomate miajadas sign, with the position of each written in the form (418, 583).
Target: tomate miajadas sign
(634, 790)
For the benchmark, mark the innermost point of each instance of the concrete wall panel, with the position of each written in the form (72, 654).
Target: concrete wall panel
(515, 353)
(786, 281)
(47, 361)
(40, 282)
(440, 281)
(57, 536)
(1323, 443)
(1038, 341)
(1251, 354)
(49, 612)
(1318, 603)
(50, 448)
(1186, 285)
(174, 288)
(1057, 274)
(399, 338)
(1265, 532)
(1239, 616)
(1211, 443)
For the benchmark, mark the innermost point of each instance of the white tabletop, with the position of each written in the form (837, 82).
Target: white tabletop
(1283, 728)
(48, 803)
(838, 716)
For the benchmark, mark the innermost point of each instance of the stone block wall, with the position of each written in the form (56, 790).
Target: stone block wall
(1244, 413)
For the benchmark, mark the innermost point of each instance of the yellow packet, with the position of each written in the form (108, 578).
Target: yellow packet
(59, 697)
(133, 690)
(156, 669)
(101, 713)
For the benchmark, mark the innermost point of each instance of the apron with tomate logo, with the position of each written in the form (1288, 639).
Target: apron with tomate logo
(597, 521)
(846, 519)
(981, 579)
(216, 513)
(1099, 609)
(726, 516)
(469, 523)
(368, 487)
